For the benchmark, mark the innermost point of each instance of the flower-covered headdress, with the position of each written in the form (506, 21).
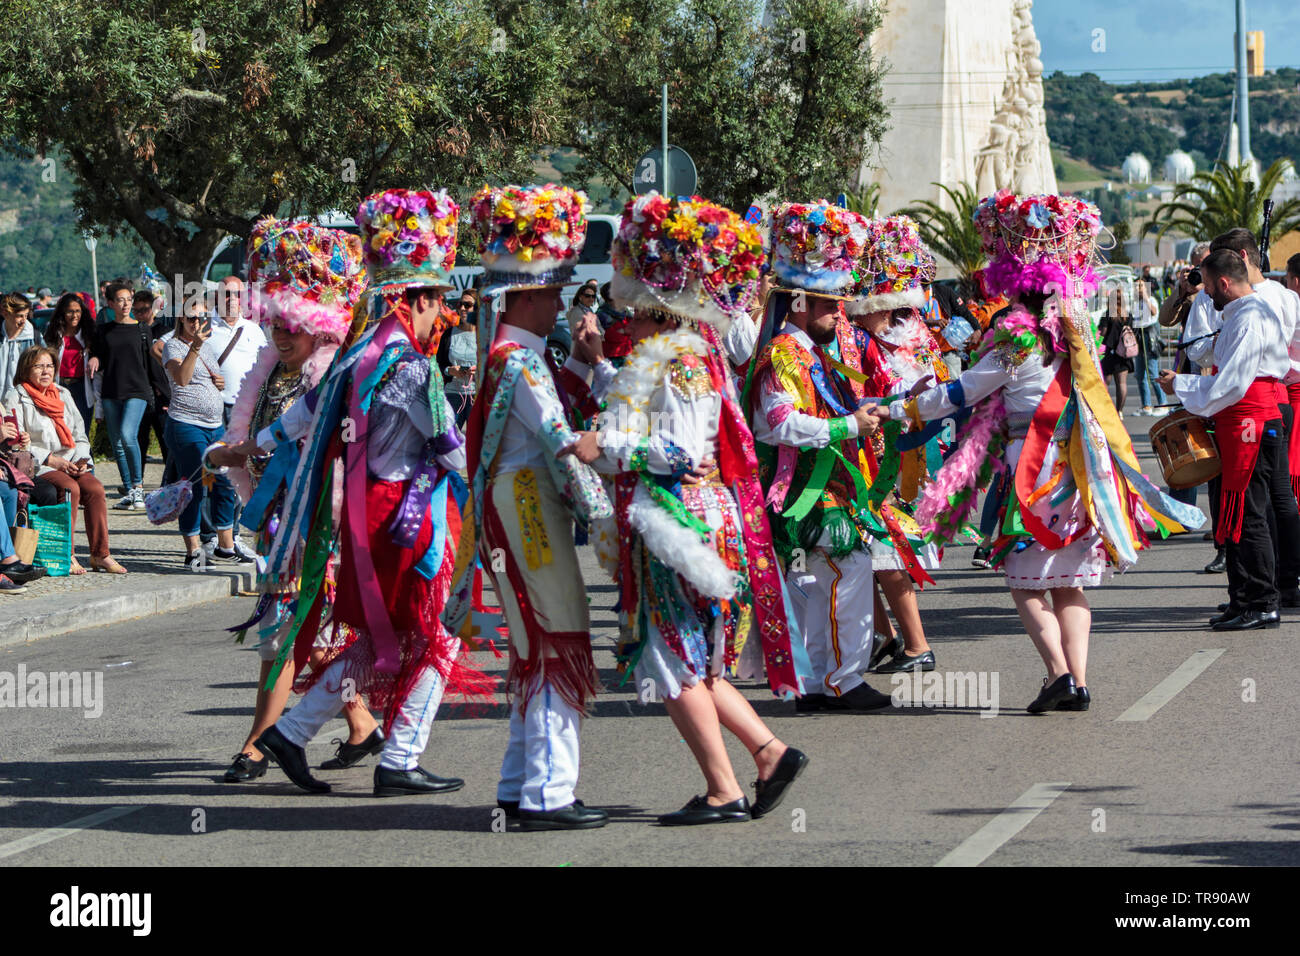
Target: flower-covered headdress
(686, 257)
(305, 275)
(816, 247)
(529, 238)
(1038, 244)
(408, 239)
(896, 266)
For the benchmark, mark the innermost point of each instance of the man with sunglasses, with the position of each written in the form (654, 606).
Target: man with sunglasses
(458, 357)
(237, 342)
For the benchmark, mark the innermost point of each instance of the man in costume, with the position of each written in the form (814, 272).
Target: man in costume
(383, 411)
(890, 293)
(813, 465)
(304, 282)
(527, 495)
(1243, 397)
(696, 567)
(1072, 500)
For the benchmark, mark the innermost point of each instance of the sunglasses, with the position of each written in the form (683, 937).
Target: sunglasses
(466, 305)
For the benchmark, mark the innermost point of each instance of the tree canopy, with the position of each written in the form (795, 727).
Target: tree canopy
(1221, 199)
(186, 120)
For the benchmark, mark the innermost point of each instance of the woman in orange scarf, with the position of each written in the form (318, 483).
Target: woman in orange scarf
(58, 441)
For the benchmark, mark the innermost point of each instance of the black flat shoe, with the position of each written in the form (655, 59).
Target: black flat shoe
(1051, 697)
(699, 811)
(349, 755)
(883, 646)
(769, 793)
(1228, 613)
(862, 697)
(397, 783)
(1218, 565)
(573, 817)
(20, 573)
(511, 807)
(245, 768)
(809, 703)
(1250, 621)
(905, 664)
(1082, 700)
(291, 758)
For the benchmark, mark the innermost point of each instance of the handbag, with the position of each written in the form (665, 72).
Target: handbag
(1128, 343)
(25, 538)
(53, 525)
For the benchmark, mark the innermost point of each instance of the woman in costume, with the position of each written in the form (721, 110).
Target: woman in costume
(887, 308)
(1074, 503)
(304, 281)
(697, 571)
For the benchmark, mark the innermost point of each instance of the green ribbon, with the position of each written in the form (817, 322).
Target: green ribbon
(316, 556)
(673, 506)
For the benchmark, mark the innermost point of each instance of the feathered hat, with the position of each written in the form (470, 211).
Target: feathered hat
(689, 258)
(816, 248)
(529, 237)
(408, 239)
(1038, 244)
(305, 275)
(894, 269)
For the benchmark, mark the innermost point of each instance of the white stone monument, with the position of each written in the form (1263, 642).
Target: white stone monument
(965, 93)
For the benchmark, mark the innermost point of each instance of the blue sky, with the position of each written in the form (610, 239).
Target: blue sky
(1161, 39)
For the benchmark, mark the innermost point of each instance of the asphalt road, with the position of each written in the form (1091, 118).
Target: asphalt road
(1207, 778)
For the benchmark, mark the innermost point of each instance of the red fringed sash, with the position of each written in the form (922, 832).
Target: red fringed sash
(1293, 446)
(1258, 406)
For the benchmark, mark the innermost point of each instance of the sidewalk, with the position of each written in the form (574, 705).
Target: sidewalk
(158, 580)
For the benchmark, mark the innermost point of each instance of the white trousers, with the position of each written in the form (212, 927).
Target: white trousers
(540, 768)
(408, 736)
(834, 602)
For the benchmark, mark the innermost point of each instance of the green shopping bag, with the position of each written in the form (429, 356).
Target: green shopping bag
(53, 524)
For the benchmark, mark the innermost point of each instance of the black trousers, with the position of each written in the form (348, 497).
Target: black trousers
(1268, 553)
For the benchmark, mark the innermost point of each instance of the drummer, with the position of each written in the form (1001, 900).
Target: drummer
(1243, 397)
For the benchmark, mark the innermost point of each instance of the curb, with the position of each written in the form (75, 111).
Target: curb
(108, 610)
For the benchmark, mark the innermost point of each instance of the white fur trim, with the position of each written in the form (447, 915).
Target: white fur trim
(680, 548)
(692, 302)
(886, 301)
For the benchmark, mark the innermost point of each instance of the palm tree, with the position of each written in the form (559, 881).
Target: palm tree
(952, 233)
(1221, 199)
(864, 200)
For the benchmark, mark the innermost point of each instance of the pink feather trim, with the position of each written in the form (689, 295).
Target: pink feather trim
(301, 314)
(961, 471)
(241, 413)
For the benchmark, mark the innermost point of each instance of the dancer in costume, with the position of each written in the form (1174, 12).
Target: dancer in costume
(383, 412)
(527, 493)
(696, 567)
(812, 463)
(1073, 500)
(1245, 396)
(305, 281)
(890, 295)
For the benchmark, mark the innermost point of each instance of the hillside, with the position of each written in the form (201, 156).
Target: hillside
(40, 244)
(1099, 123)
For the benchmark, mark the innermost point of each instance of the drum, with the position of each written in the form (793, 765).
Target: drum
(1186, 450)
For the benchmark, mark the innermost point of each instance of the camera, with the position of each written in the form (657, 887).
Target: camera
(1194, 277)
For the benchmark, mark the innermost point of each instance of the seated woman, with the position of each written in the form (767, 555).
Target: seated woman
(57, 440)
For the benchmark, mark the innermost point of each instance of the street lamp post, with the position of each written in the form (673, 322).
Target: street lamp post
(91, 243)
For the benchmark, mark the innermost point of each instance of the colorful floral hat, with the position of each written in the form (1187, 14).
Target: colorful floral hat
(1038, 244)
(686, 257)
(816, 247)
(408, 239)
(305, 275)
(895, 268)
(529, 237)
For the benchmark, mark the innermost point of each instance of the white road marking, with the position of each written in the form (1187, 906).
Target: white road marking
(1165, 691)
(984, 842)
(66, 829)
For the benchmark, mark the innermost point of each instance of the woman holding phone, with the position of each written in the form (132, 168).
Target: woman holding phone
(57, 439)
(194, 422)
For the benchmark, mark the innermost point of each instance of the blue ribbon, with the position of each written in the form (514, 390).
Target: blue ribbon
(278, 471)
